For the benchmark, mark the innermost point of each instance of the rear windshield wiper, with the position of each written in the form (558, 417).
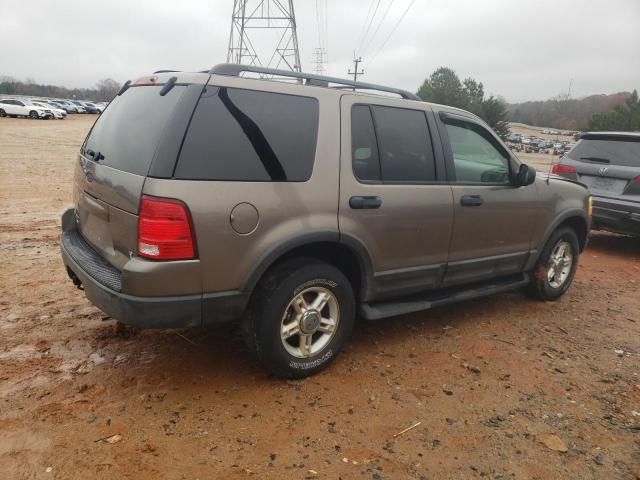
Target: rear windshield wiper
(95, 156)
(596, 159)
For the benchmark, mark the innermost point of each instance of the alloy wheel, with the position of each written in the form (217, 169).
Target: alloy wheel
(309, 322)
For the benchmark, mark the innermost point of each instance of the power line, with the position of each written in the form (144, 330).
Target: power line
(384, 15)
(392, 32)
(375, 11)
(369, 26)
(366, 19)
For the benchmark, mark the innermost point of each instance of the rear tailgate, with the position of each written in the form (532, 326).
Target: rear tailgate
(138, 127)
(609, 165)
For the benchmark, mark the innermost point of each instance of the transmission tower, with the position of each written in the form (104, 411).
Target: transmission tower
(263, 33)
(320, 60)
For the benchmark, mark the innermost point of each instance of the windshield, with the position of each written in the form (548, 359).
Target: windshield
(624, 152)
(128, 132)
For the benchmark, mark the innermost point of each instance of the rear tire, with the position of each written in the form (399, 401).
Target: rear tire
(300, 316)
(2, 113)
(557, 265)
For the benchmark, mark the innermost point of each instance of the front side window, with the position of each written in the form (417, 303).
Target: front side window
(406, 154)
(252, 136)
(476, 158)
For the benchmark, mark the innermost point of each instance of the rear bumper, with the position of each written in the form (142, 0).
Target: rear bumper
(102, 284)
(619, 216)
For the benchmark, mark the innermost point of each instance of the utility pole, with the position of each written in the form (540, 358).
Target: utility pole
(355, 72)
(320, 60)
(263, 33)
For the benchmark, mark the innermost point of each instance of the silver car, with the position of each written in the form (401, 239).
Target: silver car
(609, 164)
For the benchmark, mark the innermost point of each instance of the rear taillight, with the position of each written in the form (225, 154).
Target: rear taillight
(560, 168)
(636, 179)
(165, 230)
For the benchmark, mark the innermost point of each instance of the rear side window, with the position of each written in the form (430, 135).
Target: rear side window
(128, 132)
(247, 135)
(406, 154)
(608, 152)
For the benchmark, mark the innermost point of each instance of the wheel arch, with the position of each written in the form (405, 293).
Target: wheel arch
(576, 219)
(346, 253)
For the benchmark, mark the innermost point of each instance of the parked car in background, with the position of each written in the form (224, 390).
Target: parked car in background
(79, 106)
(18, 108)
(90, 107)
(289, 208)
(57, 106)
(58, 113)
(609, 164)
(67, 106)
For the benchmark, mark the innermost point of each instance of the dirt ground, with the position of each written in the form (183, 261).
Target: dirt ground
(499, 384)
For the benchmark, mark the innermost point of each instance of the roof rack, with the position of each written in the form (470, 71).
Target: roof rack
(234, 70)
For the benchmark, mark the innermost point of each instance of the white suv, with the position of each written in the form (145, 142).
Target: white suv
(19, 108)
(58, 113)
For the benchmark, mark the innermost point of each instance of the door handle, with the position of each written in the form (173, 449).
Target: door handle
(358, 203)
(471, 201)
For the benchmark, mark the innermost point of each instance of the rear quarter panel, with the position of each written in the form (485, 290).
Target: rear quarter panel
(286, 209)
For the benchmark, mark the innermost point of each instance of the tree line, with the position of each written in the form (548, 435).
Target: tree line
(444, 86)
(625, 117)
(104, 90)
(565, 113)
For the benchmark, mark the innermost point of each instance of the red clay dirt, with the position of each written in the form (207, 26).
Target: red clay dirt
(501, 385)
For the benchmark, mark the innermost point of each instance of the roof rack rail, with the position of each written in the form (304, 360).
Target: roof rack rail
(166, 71)
(234, 70)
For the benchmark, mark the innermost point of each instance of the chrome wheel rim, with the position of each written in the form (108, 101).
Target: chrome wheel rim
(560, 263)
(309, 322)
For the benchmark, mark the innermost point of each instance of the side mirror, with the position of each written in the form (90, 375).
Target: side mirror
(526, 175)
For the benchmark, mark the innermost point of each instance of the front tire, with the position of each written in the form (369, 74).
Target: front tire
(300, 316)
(2, 113)
(33, 114)
(556, 266)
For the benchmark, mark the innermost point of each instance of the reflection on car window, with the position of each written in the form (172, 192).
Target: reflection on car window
(475, 157)
(247, 135)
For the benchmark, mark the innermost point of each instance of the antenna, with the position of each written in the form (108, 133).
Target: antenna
(251, 41)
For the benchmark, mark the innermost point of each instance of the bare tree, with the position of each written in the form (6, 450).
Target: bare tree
(106, 89)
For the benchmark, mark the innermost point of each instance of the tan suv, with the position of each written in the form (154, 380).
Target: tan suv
(291, 207)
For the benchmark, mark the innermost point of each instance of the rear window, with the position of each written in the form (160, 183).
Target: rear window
(609, 152)
(128, 132)
(253, 136)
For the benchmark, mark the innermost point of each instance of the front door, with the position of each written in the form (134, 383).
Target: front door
(394, 196)
(493, 218)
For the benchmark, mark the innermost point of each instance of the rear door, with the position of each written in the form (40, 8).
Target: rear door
(608, 164)
(394, 198)
(493, 219)
(16, 107)
(139, 126)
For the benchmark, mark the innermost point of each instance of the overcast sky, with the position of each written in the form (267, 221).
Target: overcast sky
(520, 49)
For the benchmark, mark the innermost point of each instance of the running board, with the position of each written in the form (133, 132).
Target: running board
(377, 311)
